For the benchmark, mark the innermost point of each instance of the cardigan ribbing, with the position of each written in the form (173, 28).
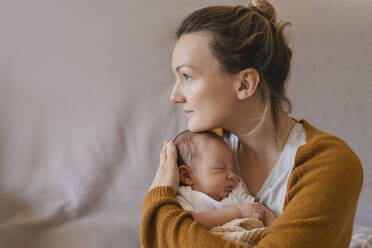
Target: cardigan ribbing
(319, 206)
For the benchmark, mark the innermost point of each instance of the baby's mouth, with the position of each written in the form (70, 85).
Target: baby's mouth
(229, 188)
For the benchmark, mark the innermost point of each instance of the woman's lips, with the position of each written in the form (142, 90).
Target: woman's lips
(188, 113)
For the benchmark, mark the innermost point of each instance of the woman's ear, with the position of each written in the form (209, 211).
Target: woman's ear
(247, 82)
(186, 175)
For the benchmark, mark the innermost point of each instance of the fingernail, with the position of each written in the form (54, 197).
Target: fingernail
(169, 145)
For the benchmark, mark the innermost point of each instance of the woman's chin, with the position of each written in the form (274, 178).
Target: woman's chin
(192, 129)
(195, 128)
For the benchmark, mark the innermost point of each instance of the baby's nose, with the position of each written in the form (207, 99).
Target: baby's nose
(231, 175)
(235, 179)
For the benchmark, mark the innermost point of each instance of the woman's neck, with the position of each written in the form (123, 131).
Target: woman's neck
(264, 146)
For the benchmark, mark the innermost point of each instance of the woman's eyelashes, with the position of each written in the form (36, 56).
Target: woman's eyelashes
(186, 77)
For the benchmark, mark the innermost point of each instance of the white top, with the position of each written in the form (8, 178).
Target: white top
(273, 191)
(197, 201)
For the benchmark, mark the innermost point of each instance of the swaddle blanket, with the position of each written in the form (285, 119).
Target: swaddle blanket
(245, 232)
(197, 201)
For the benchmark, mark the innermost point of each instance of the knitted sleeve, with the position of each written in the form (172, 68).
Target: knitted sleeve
(165, 224)
(321, 200)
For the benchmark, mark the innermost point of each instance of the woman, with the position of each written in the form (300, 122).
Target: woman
(231, 65)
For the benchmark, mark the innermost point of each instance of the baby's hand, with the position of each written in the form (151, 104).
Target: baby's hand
(252, 210)
(259, 211)
(270, 217)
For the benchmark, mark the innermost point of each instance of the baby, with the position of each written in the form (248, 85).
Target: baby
(208, 186)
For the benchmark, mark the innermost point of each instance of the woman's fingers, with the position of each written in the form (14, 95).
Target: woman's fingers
(171, 153)
(167, 173)
(162, 153)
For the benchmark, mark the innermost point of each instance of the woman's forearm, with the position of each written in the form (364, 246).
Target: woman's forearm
(210, 219)
(165, 224)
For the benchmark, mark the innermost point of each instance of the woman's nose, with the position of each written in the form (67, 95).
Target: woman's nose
(176, 96)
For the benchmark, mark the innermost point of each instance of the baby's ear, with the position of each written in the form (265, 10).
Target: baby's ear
(186, 175)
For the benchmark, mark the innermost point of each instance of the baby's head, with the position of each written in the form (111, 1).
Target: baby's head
(206, 163)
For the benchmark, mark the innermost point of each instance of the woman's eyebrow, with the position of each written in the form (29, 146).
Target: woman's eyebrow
(180, 66)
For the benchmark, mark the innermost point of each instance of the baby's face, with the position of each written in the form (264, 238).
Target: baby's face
(214, 175)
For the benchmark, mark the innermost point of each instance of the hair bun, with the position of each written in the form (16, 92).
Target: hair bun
(264, 8)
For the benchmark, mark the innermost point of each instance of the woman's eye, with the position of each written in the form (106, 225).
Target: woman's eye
(187, 77)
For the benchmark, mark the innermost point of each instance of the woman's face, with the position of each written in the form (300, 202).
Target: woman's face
(205, 92)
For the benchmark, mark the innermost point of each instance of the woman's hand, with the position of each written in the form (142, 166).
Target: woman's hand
(167, 173)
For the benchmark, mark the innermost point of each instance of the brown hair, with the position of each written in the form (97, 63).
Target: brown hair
(248, 37)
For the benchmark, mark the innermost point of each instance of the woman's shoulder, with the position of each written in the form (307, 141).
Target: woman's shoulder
(325, 151)
(317, 136)
(319, 142)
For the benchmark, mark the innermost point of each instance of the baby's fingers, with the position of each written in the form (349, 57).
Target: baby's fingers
(259, 214)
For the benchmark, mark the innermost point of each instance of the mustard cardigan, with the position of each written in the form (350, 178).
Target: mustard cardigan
(319, 206)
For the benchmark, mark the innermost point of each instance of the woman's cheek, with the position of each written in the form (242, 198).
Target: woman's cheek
(209, 111)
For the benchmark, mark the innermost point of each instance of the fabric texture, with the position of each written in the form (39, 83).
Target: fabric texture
(319, 207)
(197, 201)
(245, 232)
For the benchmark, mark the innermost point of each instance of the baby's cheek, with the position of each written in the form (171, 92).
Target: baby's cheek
(214, 181)
(236, 180)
